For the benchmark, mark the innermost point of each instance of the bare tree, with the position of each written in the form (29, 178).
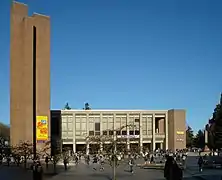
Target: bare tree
(56, 156)
(112, 146)
(24, 150)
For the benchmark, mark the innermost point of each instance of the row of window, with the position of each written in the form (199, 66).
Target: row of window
(96, 126)
(105, 119)
(97, 133)
(106, 132)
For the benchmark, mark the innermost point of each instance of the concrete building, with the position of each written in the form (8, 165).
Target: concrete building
(21, 71)
(148, 129)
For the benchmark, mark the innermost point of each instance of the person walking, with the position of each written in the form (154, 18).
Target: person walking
(95, 162)
(131, 164)
(200, 163)
(172, 170)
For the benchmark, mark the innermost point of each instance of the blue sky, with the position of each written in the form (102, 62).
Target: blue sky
(127, 54)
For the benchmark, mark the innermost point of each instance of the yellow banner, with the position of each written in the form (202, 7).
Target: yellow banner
(180, 132)
(42, 132)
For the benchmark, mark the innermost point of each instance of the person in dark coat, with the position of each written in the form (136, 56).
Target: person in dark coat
(171, 170)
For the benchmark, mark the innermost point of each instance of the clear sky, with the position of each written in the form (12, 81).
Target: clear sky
(128, 54)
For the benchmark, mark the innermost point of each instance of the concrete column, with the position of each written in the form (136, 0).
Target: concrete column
(141, 133)
(101, 131)
(154, 133)
(74, 132)
(161, 146)
(87, 133)
(127, 129)
(166, 132)
(114, 127)
(87, 148)
(87, 125)
(74, 147)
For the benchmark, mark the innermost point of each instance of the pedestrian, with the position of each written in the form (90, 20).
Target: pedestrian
(200, 163)
(131, 163)
(47, 162)
(172, 170)
(95, 161)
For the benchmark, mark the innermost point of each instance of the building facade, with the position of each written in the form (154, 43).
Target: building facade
(143, 129)
(21, 71)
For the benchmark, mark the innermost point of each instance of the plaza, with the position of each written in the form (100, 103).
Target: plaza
(83, 171)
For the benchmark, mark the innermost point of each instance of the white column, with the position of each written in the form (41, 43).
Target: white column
(114, 126)
(161, 145)
(87, 133)
(74, 147)
(166, 132)
(141, 133)
(101, 131)
(127, 130)
(74, 132)
(154, 133)
(87, 148)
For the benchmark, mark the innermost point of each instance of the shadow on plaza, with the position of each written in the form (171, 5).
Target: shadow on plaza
(20, 172)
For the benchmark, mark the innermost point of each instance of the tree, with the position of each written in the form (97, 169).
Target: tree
(216, 126)
(67, 107)
(4, 131)
(189, 137)
(112, 147)
(24, 149)
(87, 106)
(199, 140)
(53, 146)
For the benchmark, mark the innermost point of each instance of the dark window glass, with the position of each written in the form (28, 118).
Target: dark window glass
(97, 133)
(131, 132)
(91, 133)
(97, 126)
(104, 132)
(118, 133)
(137, 132)
(110, 132)
(137, 120)
(124, 133)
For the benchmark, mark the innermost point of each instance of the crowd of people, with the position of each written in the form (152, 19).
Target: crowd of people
(173, 161)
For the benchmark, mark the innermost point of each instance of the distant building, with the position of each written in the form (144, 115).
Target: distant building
(152, 129)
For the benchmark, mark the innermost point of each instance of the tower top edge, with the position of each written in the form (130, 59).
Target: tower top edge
(39, 14)
(16, 2)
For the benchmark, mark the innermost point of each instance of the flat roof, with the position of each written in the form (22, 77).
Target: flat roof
(111, 110)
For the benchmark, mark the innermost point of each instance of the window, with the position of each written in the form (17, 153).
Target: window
(118, 119)
(64, 118)
(70, 119)
(137, 132)
(124, 132)
(91, 133)
(78, 133)
(144, 132)
(64, 126)
(97, 126)
(118, 133)
(83, 126)
(78, 126)
(111, 133)
(70, 126)
(104, 132)
(70, 134)
(97, 133)
(131, 132)
(149, 131)
(64, 134)
(137, 120)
